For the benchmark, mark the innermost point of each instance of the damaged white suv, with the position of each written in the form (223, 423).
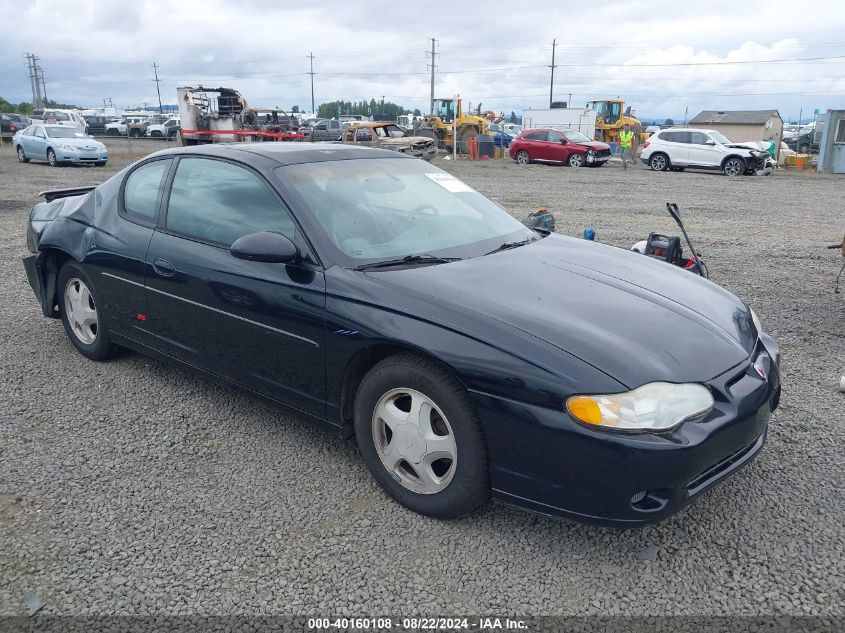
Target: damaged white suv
(678, 148)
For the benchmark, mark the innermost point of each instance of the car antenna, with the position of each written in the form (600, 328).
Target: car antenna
(675, 212)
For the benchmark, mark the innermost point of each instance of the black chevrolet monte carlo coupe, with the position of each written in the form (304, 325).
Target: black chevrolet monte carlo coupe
(383, 298)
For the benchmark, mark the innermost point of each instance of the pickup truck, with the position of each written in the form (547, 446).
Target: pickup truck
(390, 136)
(168, 129)
(323, 130)
(118, 128)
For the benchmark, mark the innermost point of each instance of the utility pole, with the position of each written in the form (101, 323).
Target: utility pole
(433, 66)
(552, 83)
(157, 80)
(311, 57)
(36, 80)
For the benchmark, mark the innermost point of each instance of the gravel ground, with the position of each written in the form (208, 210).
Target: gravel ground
(134, 487)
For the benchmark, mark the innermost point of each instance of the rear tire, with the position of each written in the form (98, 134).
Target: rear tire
(21, 155)
(81, 313)
(803, 148)
(522, 157)
(413, 414)
(659, 162)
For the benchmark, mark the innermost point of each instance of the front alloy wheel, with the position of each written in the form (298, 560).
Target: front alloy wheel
(420, 437)
(51, 158)
(576, 160)
(734, 167)
(414, 441)
(523, 158)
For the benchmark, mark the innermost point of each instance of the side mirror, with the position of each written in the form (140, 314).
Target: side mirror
(710, 141)
(273, 248)
(563, 141)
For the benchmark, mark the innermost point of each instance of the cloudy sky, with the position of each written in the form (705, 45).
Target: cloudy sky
(661, 57)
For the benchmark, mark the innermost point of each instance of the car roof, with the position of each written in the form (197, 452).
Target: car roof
(285, 152)
(687, 129)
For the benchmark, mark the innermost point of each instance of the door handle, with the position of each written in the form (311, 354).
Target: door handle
(163, 267)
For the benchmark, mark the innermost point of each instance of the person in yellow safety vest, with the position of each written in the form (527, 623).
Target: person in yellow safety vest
(626, 139)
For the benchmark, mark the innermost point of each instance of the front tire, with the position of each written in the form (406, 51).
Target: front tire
(21, 155)
(81, 316)
(51, 158)
(734, 166)
(522, 157)
(576, 160)
(156, 134)
(421, 438)
(659, 162)
(112, 132)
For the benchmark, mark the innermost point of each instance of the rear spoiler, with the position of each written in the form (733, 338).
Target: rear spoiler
(55, 194)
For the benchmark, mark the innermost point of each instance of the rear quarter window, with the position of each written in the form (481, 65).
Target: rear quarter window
(142, 190)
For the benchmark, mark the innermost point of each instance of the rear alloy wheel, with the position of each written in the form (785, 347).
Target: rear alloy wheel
(576, 160)
(659, 162)
(21, 156)
(734, 166)
(51, 158)
(420, 437)
(80, 315)
(803, 149)
(523, 158)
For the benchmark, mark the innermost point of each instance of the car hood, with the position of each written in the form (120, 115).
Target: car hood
(634, 318)
(594, 145)
(79, 142)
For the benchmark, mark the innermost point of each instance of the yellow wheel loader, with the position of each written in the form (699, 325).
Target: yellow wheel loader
(449, 114)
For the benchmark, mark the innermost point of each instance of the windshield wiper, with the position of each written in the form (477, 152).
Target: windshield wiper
(508, 245)
(410, 259)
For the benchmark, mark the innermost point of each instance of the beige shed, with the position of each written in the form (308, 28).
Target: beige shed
(742, 125)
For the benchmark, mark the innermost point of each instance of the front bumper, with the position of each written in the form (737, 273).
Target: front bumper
(82, 156)
(543, 461)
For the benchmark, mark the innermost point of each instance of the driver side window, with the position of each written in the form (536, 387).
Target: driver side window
(555, 137)
(219, 202)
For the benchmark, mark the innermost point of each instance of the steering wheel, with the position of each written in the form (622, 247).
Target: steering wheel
(432, 211)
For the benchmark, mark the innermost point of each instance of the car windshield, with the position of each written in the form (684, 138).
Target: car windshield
(720, 138)
(56, 116)
(387, 209)
(64, 132)
(573, 136)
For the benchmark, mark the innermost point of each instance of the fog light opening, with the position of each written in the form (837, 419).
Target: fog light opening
(638, 497)
(650, 500)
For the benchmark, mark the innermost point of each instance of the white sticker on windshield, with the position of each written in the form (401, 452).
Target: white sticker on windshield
(450, 183)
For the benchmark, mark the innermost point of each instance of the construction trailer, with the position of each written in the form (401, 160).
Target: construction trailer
(222, 115)
(581, 119)
(832, 146)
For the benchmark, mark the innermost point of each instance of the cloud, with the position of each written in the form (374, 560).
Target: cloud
(364, 51)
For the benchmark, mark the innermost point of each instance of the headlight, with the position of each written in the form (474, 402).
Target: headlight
(757, 322)
(65, 147)
(657, 406)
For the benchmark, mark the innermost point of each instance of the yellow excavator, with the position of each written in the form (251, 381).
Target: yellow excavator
(449, 113)
(611, 115)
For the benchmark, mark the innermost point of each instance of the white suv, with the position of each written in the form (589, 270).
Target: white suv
(679, 148)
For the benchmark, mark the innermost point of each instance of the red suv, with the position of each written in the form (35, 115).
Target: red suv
(569, 147)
